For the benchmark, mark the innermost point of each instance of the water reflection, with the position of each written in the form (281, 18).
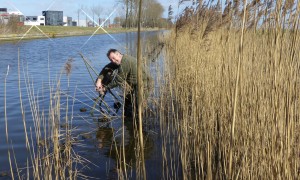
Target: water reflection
(109, 138)
(104, 137)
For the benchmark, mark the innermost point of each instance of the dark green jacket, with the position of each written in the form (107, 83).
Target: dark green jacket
(127, 71)
(107, 73)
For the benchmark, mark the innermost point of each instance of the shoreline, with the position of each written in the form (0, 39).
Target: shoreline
(15, 37)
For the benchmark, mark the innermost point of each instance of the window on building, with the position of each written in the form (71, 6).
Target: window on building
(34, 19)
(41, 18)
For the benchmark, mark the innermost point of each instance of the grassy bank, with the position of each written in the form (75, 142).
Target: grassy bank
(60, 31)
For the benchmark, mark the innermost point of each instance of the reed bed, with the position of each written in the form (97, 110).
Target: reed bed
(229, 97)
(49, 149)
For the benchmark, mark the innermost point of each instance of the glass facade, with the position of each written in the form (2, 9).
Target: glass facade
(53, 18)
(3, 10)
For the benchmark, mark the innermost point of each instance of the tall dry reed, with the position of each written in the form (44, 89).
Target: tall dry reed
(229, 102)
(49, 146)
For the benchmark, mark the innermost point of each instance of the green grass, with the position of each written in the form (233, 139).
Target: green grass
(58, 31)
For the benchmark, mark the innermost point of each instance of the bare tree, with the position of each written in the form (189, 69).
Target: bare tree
(85, 10)
(92, 9)
(106, 14)
(78, 11)
(126, 4)
(152, 12)
(98, 10)
(126, 18)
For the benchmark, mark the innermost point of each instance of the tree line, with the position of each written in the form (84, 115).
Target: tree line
(152, 14)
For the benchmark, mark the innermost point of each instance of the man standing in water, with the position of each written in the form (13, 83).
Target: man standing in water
(126, 77)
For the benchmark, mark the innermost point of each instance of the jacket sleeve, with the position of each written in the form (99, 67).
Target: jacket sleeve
(120, 77)
(101, 74)
(106, 71)
(117, 80)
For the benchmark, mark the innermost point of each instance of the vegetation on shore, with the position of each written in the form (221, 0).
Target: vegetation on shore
(230, 96)
(61, 31)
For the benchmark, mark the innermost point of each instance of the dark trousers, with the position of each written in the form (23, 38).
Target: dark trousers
(131, 105)
(131, 100)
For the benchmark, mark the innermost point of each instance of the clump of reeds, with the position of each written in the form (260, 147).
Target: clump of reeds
(68, 66)
(49, 146)
(230, 94)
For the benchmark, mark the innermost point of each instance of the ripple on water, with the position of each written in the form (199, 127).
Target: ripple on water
(43, 58)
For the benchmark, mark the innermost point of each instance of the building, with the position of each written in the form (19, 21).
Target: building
(82, 23)
(35, 20)
(74, 23)
(67, 21)
(104, 22)
(90, 24)
(4, 16)
(3, 10)
(15, 13)
(53, 18)
(13, 16)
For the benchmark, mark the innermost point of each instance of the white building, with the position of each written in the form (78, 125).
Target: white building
(67, 21)
(89, 23)
(104, 22)
(35, 20)
(16, 13)
(6, 15)
(82, 23)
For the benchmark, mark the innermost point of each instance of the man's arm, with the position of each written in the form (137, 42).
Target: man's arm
(116, 81)
(99, 83)
(99, 86)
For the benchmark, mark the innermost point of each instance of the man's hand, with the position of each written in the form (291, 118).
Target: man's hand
(99, 86)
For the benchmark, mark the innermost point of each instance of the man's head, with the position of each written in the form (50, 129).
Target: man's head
(114, 56)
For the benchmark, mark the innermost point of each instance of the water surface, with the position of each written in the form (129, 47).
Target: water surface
(41, 65)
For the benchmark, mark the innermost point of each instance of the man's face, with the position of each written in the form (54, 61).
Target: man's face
(115, 57)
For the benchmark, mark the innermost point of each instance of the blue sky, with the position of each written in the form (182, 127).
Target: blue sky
(35, 7)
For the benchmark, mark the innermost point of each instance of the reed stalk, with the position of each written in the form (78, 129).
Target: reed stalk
(140, 93)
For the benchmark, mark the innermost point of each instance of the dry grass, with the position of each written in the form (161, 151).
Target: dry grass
(225, 128)
(49, 146)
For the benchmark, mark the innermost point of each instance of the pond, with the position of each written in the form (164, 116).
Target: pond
(41, 67)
